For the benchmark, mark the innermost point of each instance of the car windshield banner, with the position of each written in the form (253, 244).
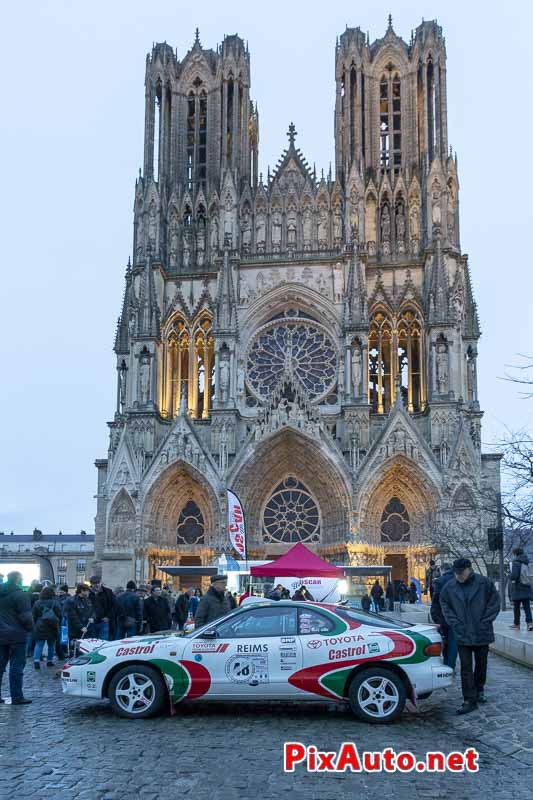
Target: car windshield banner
(237, 527)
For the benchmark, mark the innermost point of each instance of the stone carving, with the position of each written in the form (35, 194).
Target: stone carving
(228, 218)
(260, 231)
(223, 449)
(140, 235)
(214, 236)
(246, 230)
(200, 242)
(152, 225)
(356, 374)
(276, 230)
(322, 229)
(385, 229)
(400, 227)
(338, 283)
(224, 370)
(186, 248)
(240, 380)
(471, 379)
(340, 383)
(173, 239)
(452, 205)
(436, 213)
(441, 367)
(291, 231)
(144, 379)
(307, 228)
(337, 223)
(354, 216)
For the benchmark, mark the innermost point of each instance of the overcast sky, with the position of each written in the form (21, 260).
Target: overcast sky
(71, 146)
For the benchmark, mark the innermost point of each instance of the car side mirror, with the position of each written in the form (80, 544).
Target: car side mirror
(210, 634)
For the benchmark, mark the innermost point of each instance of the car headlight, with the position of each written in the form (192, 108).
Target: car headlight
(79, 661)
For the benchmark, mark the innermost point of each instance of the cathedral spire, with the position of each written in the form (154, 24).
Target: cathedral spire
(226, 305)
(122, 342)
(355, 302)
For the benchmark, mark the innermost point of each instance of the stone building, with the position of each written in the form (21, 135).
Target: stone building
(61, 557)
(307, 340)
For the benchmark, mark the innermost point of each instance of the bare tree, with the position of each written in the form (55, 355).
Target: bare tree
(521, 374)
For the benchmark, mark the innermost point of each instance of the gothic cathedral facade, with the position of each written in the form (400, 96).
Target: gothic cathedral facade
(307, 340)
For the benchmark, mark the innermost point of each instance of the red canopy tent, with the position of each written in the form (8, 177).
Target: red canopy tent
(298, 562)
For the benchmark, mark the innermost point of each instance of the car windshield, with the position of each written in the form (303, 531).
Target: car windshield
(376, 620)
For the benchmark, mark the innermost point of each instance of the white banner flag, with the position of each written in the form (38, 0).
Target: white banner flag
(237, 527)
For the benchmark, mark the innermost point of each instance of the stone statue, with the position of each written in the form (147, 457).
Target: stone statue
(307, 228)
(260, 231)
(322, 227)
(186, 249)
(291, 231)
(436, 214)
(276, 230)
(122, 387)
(140, 235)
(240, 380)
(200, 242)
(400, 222)
(224, 370)
(152, 224)
(441, 364)
(223, 449)
(337, 223)
(214, 236)
(356, 371)
(354, 215)
(228, 217)
(246, 230)
(174, 240)
(144, 380)
(385, 224)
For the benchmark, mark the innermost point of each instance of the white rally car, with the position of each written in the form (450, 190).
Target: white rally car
(269, 651)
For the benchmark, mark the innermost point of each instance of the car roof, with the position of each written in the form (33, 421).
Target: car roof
(292, 603)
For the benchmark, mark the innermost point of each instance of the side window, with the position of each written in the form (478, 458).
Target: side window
(310, 621)
(277, 621)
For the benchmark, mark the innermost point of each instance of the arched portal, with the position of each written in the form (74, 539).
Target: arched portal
(180, 519)
(293, 489)
(396, 513)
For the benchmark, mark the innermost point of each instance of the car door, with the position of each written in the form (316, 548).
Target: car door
(251, 654)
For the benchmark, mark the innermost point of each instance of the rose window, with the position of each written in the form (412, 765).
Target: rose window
(395, 525)
(296, 344)
(291, 514)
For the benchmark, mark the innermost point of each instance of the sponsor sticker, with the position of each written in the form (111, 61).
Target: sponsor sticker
(373, 647)
(288, 640)
(252, 648)
(198, 657)
(139, 650)
(209, 647)
(245, 669)
(314, 644)
(347, 652)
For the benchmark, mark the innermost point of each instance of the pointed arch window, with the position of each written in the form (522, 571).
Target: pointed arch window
(189, 366)
(390, 121)
(395, 360)
(196, 135)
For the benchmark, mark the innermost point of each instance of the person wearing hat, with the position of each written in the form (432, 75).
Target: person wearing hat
(470, 604)
(103, 602)
(214, 603)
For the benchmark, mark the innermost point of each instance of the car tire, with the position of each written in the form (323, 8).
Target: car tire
(377, 695)
(137, 692)
(424, 695)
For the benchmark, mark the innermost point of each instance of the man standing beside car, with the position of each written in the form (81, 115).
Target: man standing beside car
(214, 603)
(102, 600)
(470, 604)
(450, 645)
(16, 622)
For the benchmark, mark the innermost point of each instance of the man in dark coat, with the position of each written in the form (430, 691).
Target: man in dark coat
(78, 611)
(102, 600)
(15, 623)
(376, 593)
(157, 611)
(470, 604)
(128, 612)
(450, 645)
(521, 593)
(46, 614)
(214, 603)
(181, 608)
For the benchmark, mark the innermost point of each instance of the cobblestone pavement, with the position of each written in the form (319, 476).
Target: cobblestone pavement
(61, 748)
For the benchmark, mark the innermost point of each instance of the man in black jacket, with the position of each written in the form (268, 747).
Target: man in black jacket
(181, 608)
(102, 600)
(214, 603)
(15, 623)
(470, 604)
(157, 611)
(128, 612)
(450, 645)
